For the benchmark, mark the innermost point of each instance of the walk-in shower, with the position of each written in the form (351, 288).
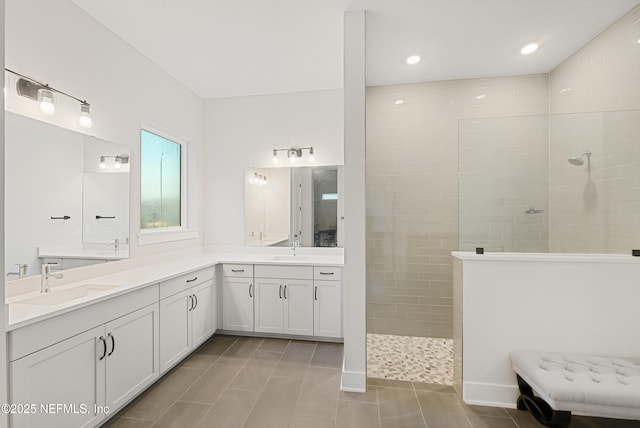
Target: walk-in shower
(579, 160)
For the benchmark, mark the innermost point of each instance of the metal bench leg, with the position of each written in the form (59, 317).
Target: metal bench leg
(539, 408)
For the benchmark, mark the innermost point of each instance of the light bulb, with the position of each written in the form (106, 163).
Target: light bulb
(293, 158)
(85, 116)
(118, 163)
(103, 164)
(275, 156)
(311, 156)
(45, 97)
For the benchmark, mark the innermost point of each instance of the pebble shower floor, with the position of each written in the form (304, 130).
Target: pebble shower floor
(415, 359)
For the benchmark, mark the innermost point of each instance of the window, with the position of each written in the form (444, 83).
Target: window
(162, 203)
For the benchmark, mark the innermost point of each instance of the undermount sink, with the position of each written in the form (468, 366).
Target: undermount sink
(56, 297)
(290, 258)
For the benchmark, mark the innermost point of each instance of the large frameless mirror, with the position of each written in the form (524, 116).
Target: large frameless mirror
(285, 205)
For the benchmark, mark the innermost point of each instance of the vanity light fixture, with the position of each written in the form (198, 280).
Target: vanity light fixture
(259, 179)
(118, 160)
(31, 88)
(294, 154)
(529, 48)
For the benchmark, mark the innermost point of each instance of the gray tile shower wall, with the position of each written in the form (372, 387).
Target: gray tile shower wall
(412, 192)
(595, 104)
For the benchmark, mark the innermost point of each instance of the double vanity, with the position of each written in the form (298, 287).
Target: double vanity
(78, 354)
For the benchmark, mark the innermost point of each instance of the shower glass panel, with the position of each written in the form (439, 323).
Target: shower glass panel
(503, 169)
(566, 183)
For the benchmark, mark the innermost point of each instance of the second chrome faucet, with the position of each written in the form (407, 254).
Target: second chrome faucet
(44, 278)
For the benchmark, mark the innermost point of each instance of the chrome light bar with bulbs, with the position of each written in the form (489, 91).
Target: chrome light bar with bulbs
(117, 163)
(45, 95)
(293, 153)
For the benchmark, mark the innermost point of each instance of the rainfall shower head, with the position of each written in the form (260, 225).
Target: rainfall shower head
(579, 160)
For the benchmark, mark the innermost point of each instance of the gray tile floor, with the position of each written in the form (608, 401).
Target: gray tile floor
(252, 382)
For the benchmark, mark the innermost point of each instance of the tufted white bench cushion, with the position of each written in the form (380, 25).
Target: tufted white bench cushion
(588, 385)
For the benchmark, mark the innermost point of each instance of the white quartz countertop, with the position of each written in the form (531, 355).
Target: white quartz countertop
(21, 313)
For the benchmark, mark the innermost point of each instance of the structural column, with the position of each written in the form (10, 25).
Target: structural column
(354, 370)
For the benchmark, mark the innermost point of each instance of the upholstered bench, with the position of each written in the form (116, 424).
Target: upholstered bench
(565, 383)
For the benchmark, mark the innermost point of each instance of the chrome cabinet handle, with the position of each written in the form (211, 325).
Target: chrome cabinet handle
(280, 292)
(285, 291)
(104, 343)
(191, 280)
(315, 293)
(237, 270)
(196, 300)
(250, 287)
(326, 273)
(113, 344)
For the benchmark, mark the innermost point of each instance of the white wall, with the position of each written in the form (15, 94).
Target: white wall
(3, 337)
(56, 42)
(549, 303)
(242, 132)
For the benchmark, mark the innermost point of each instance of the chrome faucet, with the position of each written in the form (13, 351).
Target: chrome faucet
(44, 278)
(22, 270)
(295, 245)
(116, 244)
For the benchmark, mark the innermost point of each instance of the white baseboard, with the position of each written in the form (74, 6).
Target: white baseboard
(353, 381)
(490, 394)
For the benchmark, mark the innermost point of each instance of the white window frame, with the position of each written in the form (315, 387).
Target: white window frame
(174, 233)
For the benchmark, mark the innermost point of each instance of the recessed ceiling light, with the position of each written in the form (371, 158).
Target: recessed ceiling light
(529, 49)
(413, 59)
(481, 96)
(565, 90)
(398, 102)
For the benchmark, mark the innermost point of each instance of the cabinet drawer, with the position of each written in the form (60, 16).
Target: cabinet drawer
(182, 282)
(279, 271)
(242, 271)
(327, 273)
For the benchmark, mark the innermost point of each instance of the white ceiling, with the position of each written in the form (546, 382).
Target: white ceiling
(223, 48)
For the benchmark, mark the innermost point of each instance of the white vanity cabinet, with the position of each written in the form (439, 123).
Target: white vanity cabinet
(237, 297)
(327, 301)
(72, 382)
(187, 315)
(284, 299)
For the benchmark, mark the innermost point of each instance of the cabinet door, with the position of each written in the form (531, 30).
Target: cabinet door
(298, 306)
(69, 373)
(327, 311)
(175, 342)
(132, 357)
(203, 314)
(268, 302)
(237, 304)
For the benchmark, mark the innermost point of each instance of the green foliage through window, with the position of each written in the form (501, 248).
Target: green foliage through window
(160, 182)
